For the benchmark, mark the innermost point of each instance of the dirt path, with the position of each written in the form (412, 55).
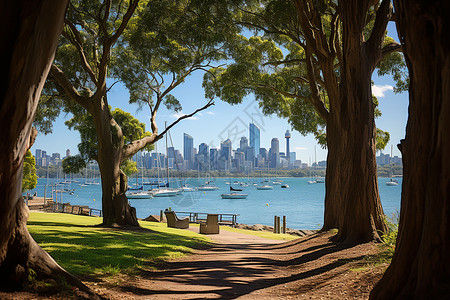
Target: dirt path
(248, 267)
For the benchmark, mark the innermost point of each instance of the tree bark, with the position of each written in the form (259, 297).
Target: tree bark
(352, 201)
(420, 268)
(29, 31)
(116, 209)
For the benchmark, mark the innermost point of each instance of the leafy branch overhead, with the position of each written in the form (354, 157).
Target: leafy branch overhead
(288, 56)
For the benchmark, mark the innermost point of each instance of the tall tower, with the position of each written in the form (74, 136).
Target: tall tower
(254, 138)
(287, 135)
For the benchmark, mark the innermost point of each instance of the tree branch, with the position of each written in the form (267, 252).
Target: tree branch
(210, 103)
(78, 43)
(315, 94)
(61, 79)
(390, 48)
(384, 14)
(133, 147)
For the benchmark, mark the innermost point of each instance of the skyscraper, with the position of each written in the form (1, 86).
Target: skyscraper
(188, 147)
(225, 155)
(243, 143)
(254, 138)
(287, 135)
(274, 153)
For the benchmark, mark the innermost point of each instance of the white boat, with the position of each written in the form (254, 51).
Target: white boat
(276, 182)
(312, 181)
(392, 182)
(264, 187)
(139, 195)
(320, 180)
(165, 192)
(188, 189)
(284, 186)
(208, 187)
(234, 196)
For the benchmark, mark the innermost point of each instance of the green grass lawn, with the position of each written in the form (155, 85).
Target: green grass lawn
(83, 249)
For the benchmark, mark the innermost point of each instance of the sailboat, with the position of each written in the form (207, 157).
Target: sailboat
(233, 194)
(167, 191)
(138, 192)
(265, 186)
(208, 185)
(276, 181)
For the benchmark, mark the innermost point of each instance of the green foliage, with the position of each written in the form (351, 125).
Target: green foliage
(29, 180)
(82, 121)
(394, 65)
(270, 64)
(382, 139)
(73, 164)
(129, 167)
(389, 239)
(168, 41)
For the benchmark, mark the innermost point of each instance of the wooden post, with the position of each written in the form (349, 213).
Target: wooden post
(275, 224)
(278, 224)
(284, 224)
(161, 215)
(45, 192)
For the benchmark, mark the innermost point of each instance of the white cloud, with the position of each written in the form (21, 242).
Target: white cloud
(379, 90)
(211, 113)
(179, 115)
(301, 148)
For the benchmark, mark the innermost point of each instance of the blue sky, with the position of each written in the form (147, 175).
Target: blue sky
(223, 120)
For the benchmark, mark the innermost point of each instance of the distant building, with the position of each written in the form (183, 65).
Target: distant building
(188, 147)
(292, 158)
(243, 143)
(67, 153)
(254, 138)
(225, 155)
(274, 153)
(213, 158)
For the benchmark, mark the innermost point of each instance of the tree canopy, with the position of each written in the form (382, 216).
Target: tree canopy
(268, 60)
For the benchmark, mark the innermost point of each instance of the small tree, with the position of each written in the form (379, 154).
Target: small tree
(29, 180)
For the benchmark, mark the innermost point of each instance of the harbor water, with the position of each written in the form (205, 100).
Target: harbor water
(301, 203)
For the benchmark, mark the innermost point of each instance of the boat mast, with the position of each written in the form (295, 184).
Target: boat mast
(167, 158)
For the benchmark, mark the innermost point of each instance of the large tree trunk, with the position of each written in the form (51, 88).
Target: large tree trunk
(352, 194)
(29, 31)
(420, 268)
(116, 209)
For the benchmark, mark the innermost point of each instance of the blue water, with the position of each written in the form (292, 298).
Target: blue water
(302, 203)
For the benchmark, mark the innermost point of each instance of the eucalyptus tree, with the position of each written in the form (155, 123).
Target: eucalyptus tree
(312, 62)
(420, 267)
(29, 34)
(106, 40)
